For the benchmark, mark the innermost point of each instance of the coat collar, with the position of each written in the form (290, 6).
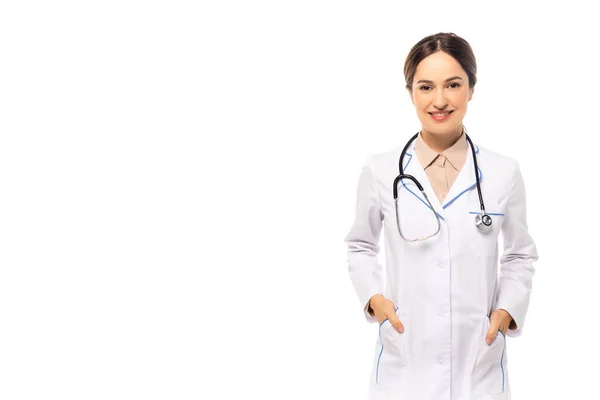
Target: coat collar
(465, 180)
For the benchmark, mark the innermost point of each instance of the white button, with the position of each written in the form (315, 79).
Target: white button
(440, 361)
(441, 265)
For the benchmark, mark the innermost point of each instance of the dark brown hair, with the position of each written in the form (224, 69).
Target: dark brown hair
(449, 43)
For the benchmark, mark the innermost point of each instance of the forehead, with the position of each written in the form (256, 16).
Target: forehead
(438, 66)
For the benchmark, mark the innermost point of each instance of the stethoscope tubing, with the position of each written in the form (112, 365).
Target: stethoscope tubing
(482, 221)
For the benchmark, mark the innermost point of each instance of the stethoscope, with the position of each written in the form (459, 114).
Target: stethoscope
(483, 222)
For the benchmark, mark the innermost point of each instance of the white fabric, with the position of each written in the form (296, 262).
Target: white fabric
(446, 287)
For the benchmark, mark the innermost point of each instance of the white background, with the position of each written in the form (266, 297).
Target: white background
(177, 178)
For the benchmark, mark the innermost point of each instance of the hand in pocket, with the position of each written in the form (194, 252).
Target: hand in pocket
(383, 308)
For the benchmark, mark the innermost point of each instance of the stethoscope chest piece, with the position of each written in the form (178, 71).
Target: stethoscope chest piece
(483, 222)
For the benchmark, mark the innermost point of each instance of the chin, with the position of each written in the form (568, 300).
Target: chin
(439, 130)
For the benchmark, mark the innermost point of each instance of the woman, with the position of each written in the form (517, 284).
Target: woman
(444, 308)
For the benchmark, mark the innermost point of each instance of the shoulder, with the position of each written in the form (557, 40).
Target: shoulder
(383, 162)
(500, 172)
(495, 160)
(383, 165)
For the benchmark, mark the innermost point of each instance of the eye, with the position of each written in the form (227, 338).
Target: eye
(424, 87)
(455, 83)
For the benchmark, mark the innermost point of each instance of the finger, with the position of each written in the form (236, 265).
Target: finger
(491, 333)
(393, 317)
(389, 311)
(396, 323)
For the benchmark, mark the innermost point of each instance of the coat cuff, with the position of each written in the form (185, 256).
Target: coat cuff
(514, 329)
(370, 318)
(365, 303)
(507, 300)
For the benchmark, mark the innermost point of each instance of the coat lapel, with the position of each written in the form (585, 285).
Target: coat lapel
(413, 167)
(465, 180)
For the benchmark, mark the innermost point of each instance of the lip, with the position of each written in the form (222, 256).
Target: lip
(441, 117)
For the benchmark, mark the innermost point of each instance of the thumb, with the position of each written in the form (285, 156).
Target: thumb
(492, 332)
(396, 323)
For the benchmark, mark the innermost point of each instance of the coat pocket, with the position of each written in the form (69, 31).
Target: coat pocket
(392, 356)
(485, 244)
(488, 375)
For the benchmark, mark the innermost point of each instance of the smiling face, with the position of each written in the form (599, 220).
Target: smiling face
(440, 93)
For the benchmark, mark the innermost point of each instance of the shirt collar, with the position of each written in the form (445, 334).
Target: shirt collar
(455, 154)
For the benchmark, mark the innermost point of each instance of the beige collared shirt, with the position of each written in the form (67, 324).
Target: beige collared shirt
(442, 168)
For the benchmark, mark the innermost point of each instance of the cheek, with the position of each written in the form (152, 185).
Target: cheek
(461, 99)
(421, 102)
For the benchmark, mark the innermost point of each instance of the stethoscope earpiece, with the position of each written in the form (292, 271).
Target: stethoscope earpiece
(483, 222)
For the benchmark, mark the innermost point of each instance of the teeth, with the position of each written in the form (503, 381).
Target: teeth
(440, 114)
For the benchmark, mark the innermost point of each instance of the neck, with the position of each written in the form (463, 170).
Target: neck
(441, 142)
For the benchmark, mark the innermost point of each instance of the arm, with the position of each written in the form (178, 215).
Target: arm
(516, 263)
(363, 242)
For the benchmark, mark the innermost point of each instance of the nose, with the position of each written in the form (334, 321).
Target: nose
(440, 101)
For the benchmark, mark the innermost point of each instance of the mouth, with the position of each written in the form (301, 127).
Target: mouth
(440, 115)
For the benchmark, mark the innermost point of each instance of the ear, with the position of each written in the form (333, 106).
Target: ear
(410, 94)
(471, 94)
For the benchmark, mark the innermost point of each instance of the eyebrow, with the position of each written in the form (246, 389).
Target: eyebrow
(447, 80)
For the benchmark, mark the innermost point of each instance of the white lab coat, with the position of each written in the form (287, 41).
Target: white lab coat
(446, 287)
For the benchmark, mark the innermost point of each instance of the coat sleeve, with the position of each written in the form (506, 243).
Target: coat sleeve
(519, 254)
(362, 240)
